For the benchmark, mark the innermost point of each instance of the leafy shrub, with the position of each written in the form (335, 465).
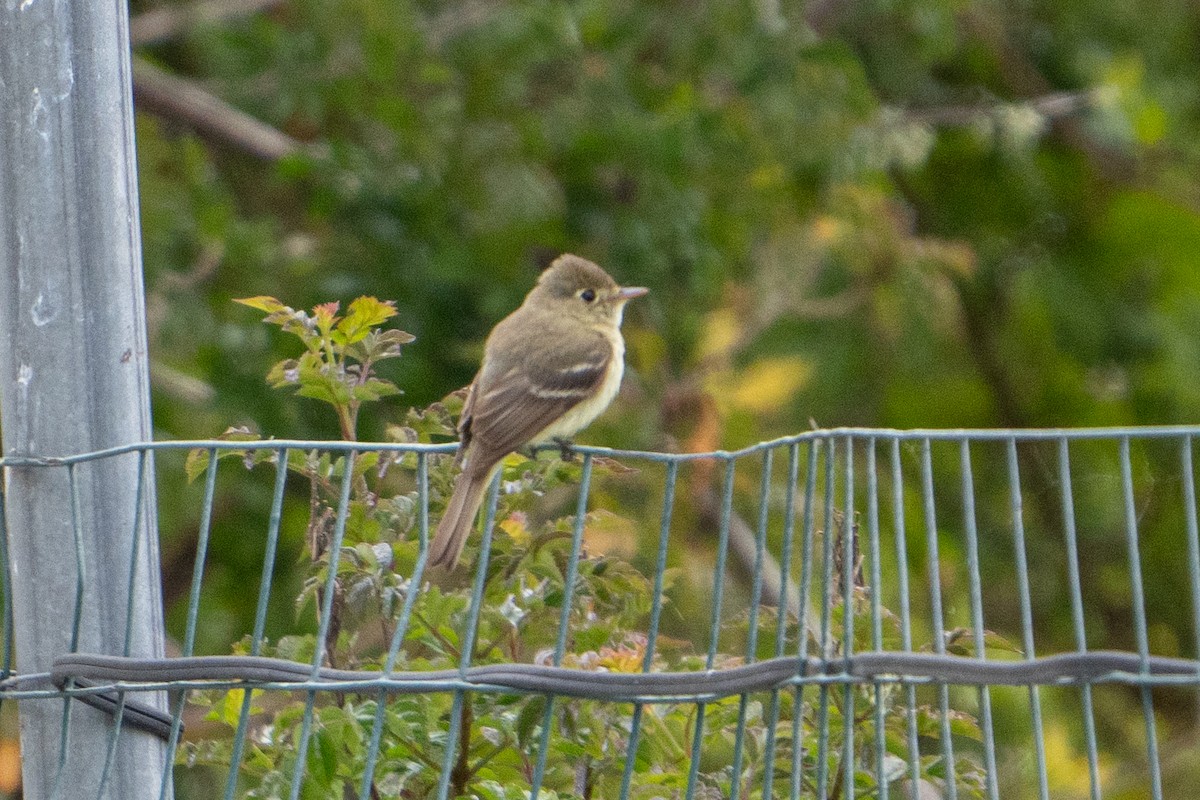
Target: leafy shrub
(379, 617)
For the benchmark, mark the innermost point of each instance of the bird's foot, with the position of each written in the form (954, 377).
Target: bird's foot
(566, 448)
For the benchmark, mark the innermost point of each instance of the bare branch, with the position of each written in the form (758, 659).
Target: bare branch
(178, 99)
(169, 22)
(1022, 77)
(180, 385)
(743, 545)
(440, 28)
(1051, 106)
(823, 16)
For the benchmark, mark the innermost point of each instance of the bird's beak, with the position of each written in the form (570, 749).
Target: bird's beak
(630, 292)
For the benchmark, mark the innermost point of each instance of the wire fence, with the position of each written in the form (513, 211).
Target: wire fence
(888, 614)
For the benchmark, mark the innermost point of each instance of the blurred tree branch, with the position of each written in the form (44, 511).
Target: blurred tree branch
(1024, 78)
(1052, 106)
(181, 100)
(455, 19)
(169, 22)
(824, 15)
(743, 545)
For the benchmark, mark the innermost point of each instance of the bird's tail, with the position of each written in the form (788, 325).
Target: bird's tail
(459, 518)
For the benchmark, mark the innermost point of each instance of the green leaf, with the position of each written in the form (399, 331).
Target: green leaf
(230, 710)
(362, 315)
(263, 303)
(429, 424)
(393, 338)
(961, 642)
(963, 724)
(367, 461)
(296, 647)
(322, 757)
(378, 345)
(198, 458)
(196, 463)
(284, 373)
(374, 389)
(325, 389)
(994, 641)
(529, 718)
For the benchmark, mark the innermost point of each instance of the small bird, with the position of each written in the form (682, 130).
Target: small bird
(549, 368)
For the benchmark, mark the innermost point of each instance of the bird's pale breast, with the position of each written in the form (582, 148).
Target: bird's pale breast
(581, 414)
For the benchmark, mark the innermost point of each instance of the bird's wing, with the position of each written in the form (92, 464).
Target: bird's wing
(515, 397)
(464, 424)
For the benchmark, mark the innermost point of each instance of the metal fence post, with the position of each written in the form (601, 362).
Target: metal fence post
(74, 376)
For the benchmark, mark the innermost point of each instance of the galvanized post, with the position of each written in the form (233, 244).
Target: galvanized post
(74, 378)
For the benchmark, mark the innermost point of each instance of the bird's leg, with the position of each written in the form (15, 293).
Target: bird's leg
(565, 448)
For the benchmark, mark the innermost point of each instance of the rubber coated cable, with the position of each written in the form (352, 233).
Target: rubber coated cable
(628, 687)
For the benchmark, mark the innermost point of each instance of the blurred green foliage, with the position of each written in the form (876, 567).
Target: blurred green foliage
(898, 213)
(889, 208)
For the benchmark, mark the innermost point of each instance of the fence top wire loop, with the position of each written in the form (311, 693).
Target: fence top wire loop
(815, 435)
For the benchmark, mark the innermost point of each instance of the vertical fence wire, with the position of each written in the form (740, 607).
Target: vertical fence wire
(260, 611)
(656, 604)
(402, 623)
(1188, 477)
(202, 540)
(781, 622)
(826, 643)
(560, 644)
(933, 570)
(760, 544)
(1077, 625)
(978, 629)
(132, 583)
(849, 558)
(714, 631)
(80, 560)
(193, 615)
(904, 601)
(806, 632)
(6, 618)
(77, 617)
(461, 703)
(334, 550)
(1017, 504)
(110, 756)
(875, 592)
(131, 587)
(1139, 614)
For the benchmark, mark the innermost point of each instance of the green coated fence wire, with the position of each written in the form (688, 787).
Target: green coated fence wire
(884, 612)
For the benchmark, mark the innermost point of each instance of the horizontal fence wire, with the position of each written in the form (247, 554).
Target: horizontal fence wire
(840, 613)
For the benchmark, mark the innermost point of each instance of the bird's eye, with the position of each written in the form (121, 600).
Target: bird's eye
(587, 295)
